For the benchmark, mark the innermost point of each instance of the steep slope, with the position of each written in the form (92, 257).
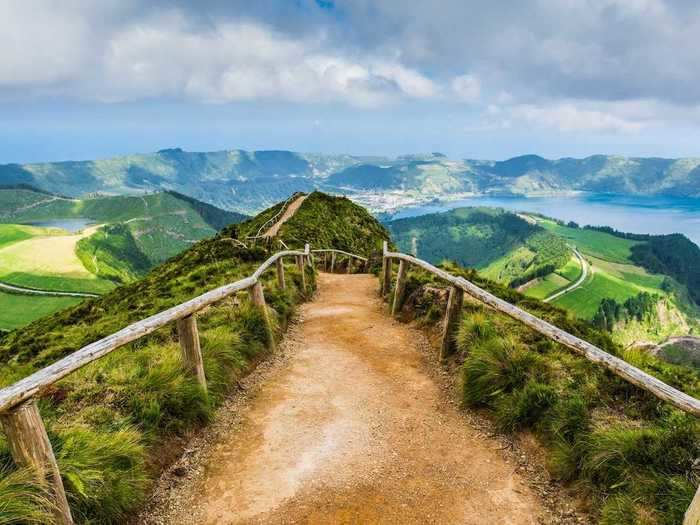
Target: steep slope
(630, 455)
(504, 246)
(636, 286)
(138, 402)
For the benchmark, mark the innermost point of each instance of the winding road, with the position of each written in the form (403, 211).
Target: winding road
(579, 282)
(33, 291)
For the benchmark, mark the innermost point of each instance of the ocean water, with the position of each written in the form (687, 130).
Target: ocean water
(655, 215)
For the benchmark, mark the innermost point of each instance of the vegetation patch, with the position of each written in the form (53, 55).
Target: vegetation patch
(630, 453)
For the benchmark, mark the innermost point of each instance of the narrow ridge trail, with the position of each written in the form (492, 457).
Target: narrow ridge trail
(286, 215)
(348, 426)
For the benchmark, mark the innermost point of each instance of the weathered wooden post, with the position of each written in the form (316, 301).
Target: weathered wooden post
(280, 274)
(325, 261)
(302, 269)
(452, 316)
(400, 288)
(188, 334)
(30, 447)
(350, 261)
(692, 515)
(388, 271)
(257, 297)
(332, 261)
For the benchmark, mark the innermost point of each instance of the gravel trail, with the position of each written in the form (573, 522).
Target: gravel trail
(348, 424)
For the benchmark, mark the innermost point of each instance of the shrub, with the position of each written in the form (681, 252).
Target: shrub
(22, 500)
(496, 366)
(473, 329)
(625, 510)
(525, 407)
(104, 473)
(569, 419)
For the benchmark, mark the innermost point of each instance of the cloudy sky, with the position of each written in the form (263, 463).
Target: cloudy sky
(94, 78)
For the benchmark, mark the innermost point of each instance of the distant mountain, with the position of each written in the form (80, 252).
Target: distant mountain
(247, 181)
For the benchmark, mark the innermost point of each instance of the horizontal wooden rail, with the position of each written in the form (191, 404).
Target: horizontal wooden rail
(616, 365)
(34, 384)
(341, 252)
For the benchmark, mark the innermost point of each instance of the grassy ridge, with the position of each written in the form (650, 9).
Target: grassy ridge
(631, 455)
(111, 422)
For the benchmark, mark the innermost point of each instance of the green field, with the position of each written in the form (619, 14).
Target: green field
(18, 310)
(12, 233)
(609, 281)
(572, 270)
(547, 285)
(592, 242)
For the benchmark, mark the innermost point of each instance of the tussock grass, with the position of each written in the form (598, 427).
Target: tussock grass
(629, 453)
(104, 473)
(498, 366)
(22, 500)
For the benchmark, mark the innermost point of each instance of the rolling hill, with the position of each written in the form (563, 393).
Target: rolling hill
(612, 278)
(119, 422)
(248, 181)
(60, 244)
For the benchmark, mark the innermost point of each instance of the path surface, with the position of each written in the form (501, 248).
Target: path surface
(288, 214)
(579, 282)
(351, 427)
(35, 291)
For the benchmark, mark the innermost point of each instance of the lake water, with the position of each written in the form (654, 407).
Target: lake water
(70, 225)
(655, 215)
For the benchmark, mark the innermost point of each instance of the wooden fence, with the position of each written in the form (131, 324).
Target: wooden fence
(19, 413)
(459, 286)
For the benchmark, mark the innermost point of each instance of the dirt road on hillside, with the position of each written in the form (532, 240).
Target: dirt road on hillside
(349, 427)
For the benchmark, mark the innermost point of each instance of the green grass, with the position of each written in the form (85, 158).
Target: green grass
(571, 270)
(547, 286)
(19, 310)
(609, 281)
(596, 243)
(11, 233)
(631, 455)
(117, 421)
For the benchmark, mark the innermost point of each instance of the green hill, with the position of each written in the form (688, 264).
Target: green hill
(118, 239)
(534, 253)
(502, 245)
(139, 397)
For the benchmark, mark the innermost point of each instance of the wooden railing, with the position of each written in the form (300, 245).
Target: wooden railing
(19, 414)
(459, 286)
(350, 258)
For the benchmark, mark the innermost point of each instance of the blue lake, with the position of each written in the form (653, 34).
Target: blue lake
(655, 215)
(70, 225)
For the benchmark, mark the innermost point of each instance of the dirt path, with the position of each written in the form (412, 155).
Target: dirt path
(349, 427)
(288, 214)
(579, 281)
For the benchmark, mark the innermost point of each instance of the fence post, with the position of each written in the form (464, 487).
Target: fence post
(452, 314)
(280, 274)
(388, 270)
(332, 261)
(30, 447)
(302, 269)
(350, 261)
(400, 288)
(692, 515)
(188, 334)
(258, 299)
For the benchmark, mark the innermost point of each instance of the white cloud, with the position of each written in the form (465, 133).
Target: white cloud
(467, 88)
(165, 56)
(568, 117)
